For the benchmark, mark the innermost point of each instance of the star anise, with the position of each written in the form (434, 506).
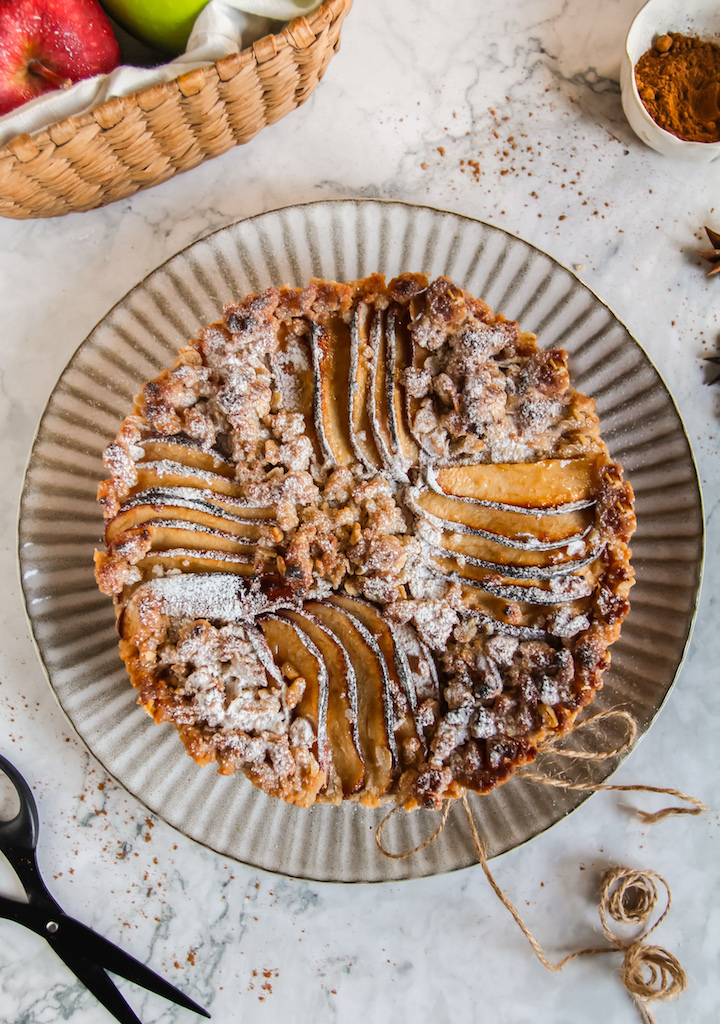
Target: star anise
(712, 254)
(716, 361)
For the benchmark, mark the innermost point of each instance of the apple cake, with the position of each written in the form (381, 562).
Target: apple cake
(365, 543)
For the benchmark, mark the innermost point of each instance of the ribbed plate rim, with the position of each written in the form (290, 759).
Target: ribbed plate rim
(308, 206)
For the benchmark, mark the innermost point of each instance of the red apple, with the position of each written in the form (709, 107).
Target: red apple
(49, 44)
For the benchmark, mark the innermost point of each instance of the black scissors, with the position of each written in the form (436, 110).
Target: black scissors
(85, 952)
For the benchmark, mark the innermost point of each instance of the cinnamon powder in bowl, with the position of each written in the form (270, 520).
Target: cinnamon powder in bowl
(679, 83)
(669, 78)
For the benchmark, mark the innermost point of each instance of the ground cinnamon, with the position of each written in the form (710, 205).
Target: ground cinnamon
(679, 83)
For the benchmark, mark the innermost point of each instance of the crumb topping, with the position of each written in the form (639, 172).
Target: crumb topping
(293, 579)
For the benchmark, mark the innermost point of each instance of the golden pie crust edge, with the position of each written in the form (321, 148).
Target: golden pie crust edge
(170, 406)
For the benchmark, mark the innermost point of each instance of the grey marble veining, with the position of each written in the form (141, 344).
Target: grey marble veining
(509, 111)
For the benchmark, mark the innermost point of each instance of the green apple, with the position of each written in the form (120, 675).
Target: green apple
(165, 24)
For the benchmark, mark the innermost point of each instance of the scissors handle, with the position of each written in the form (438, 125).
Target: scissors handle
(19, 836)
(21, 831)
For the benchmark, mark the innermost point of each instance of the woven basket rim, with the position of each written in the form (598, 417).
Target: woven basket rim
(298, 34)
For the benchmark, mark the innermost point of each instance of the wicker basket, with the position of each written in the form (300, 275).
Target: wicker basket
(135, 142)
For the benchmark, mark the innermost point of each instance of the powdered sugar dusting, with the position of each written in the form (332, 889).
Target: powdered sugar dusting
(221, 597)
(334, 427)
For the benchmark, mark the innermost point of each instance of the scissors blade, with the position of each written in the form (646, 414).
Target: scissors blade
(99, 950)
(96, 981)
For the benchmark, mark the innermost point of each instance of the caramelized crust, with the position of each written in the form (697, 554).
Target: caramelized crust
(365, 543)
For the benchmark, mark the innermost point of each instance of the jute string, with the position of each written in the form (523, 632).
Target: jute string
(628, 896)
(695, 806)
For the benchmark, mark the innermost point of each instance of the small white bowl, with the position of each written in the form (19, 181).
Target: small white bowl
(693, 18)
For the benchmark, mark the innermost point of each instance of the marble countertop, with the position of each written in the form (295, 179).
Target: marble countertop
(508, 111)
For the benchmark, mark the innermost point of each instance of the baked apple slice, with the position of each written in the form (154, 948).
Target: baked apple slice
(169, 506)
(535, 485)
(545, 529)
(180, 448)
(398, 356)
(361, 356)
(331, 368)
(346, 756)
(376, 716)
(293, 650)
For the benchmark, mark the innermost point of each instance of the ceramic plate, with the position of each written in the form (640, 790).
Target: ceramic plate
(60, 523)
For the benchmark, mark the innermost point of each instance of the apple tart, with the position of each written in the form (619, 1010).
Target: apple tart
(365, 542)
